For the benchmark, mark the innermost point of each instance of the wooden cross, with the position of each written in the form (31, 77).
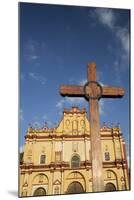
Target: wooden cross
(93, 91)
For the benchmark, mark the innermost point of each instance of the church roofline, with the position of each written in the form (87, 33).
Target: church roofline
(74, 109)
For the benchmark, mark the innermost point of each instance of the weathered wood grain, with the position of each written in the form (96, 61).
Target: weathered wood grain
(71, 90)
(92, 90)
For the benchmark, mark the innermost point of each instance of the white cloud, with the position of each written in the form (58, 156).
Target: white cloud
(108, 18)
(99, 75)
(77, 82)
(21, 149)
(60, 104)
(101, 107)
(79, 101)
(74, 100)
(21, 115)
(123, 35)
(71, 101)
(33, 57)
(37, 77)
(47, 120)
(72, 80)
(102, 84)
(31, 50)
(45, 117)
(31, 45)
(50, 124)
(82, 82)
(36, 124)
(128, 161)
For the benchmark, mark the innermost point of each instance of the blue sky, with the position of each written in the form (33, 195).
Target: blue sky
(56, 43)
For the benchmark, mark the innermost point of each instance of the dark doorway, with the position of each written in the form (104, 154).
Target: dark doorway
(110, 187)
(75, 188)
(40, 192)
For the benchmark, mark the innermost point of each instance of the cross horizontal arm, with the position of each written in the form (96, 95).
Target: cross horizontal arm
(72, 90)
(112, 92)
(77, 90)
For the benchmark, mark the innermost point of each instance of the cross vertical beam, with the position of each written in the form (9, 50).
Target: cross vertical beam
(93, 91)
(97, 168)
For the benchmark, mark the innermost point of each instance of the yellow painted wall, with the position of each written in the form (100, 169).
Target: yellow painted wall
(70, 137)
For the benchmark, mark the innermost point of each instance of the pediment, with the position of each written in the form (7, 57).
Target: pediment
(56, 182)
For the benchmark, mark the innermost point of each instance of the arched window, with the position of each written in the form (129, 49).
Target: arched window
(107, 156)
(56, 190)
(42, 159)
(75, 162)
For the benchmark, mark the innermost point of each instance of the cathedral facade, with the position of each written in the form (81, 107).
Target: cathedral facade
(58, 160)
